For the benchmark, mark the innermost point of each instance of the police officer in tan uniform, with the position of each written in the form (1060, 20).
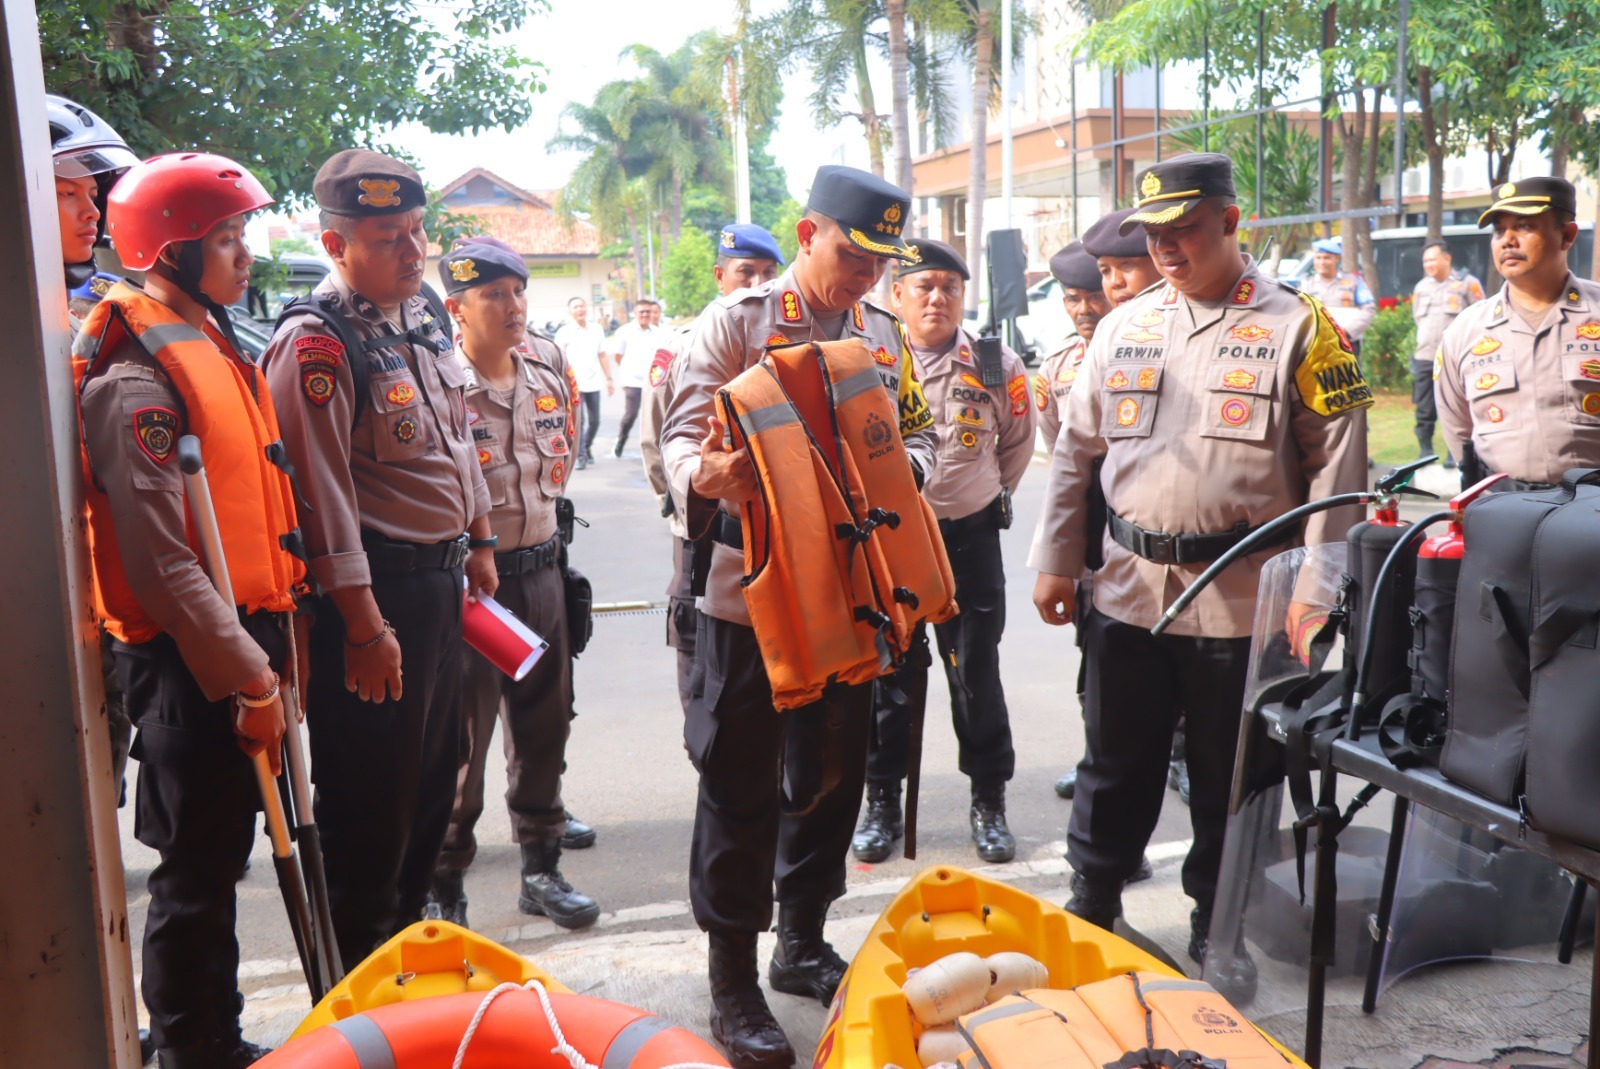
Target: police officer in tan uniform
(370, 399)
(1440, 296)
(1086, 304)
(1518, 375)
(1216, 402)
(747, 255)
(750, 830)
(985, 445)
(1343, 293)
(522, 408)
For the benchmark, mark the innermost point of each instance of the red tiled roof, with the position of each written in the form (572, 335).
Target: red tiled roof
(534, 231)
(534, 198)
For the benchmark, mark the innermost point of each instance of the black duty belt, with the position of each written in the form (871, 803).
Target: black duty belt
(1162, 547)
(726, 529)
(530, 559)
(385, 554)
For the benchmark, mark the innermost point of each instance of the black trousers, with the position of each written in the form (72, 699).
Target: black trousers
(778, 791)
(1138, 685)
(386, 772)
(682, 617)
(590, 414)
(968, 645)
(1422, 400)
(196, 806)
(536, 716)
(630, 412)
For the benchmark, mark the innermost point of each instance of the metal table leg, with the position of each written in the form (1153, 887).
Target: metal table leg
(1391, 876)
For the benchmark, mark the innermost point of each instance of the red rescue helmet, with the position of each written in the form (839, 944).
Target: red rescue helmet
(177, 197)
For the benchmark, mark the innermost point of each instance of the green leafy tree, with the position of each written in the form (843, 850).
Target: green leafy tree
(280, 85)
(687, 282)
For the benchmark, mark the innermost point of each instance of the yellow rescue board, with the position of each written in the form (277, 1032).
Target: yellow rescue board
(942, 911)
(427, 959)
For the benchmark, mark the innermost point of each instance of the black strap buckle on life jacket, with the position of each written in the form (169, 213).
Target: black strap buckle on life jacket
(875, 518)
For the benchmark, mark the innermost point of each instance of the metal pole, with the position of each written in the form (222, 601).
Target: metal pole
(1261, 92)
(1399, 115)
(1325, 124)
(741, 145)
(1156, 70)
(1205, 86)
(1006, 42)
(1072, 102)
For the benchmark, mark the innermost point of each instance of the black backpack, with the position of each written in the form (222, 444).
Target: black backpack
(434, 332)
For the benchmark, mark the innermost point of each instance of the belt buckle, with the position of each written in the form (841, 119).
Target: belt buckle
(1160, 547)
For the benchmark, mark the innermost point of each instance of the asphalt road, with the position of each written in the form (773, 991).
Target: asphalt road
(629, 777)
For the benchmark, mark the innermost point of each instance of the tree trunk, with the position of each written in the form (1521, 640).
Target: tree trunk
(677, 207)
(1502, 154)
(1369, 185)
(978, 176)
(1435, 120)
(898, 63)
(919, 45)
(638, 262)
(871, 121)
(1352, 133)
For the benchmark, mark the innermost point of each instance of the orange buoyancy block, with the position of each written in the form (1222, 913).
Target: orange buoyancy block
(1037, 1030)
(1147, 1010)
(843, 557)
(514, 1033)
(226, 405)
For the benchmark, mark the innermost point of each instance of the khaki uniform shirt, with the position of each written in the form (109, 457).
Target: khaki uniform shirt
(1435, 305)
(524, 440)
(985, 435)
(1053, 383)
(731, 336)
(1528, 398)
(407, 467)
(151, 517)
(664, 376)
(1207, 415)
(1347, 298)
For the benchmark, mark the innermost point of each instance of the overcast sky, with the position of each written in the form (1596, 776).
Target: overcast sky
(579, 42)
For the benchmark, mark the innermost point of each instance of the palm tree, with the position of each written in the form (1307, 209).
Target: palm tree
(673, 115)
(602, 183)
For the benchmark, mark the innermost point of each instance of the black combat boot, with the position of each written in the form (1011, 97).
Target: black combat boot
(447, 900)
(989, 831)
(804, 963)
(881, 825)
(1095, 902)
(740, 1020)
(546, 894)
(1231, 972)
(578, 836)
(1067, 785)
(216, 1054)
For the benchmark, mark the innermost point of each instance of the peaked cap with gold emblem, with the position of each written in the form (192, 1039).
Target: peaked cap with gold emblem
(1532, 196)
(871, 212)
(1169, 189)
(359, 182)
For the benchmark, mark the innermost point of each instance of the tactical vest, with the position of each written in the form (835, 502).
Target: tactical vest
(843, 558)
(228, 407)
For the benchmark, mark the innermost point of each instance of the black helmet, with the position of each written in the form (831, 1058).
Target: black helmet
(84, 144)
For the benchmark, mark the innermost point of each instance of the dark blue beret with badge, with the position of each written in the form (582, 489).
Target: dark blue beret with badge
(936, 256)
(1075, 269)
(360, 182)
(871, 212)
(477, 261)
(1105, 237)
(1170, 189)
(747, 241)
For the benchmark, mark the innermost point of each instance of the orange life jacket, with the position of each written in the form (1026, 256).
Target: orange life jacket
(1134, 1021)
(228, 407)
(843, 558)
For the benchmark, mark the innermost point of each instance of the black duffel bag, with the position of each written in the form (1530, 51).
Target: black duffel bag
(1528, 567)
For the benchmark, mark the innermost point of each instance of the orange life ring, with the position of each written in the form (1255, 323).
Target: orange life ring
(513, 1034)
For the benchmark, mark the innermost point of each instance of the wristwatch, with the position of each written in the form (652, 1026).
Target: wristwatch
(483, 543)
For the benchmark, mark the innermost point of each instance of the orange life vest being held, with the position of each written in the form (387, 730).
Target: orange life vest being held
(228, 407)
(843, 557)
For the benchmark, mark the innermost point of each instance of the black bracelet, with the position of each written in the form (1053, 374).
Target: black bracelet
(484, 543)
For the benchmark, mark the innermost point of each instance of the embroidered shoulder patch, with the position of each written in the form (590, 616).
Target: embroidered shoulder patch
(318, 348)
(156, 431)
(658, 366)
(1329, 378)
(1017, 390)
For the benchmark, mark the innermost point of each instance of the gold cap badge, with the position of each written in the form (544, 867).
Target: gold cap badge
(1150, 185)
(891, 214)
(727, 240)
(379, 192)
(1508, 190)
(463, 270)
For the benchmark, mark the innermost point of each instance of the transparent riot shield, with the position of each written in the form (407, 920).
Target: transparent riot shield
(1455, 895)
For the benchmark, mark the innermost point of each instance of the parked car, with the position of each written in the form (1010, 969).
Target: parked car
(305, 273)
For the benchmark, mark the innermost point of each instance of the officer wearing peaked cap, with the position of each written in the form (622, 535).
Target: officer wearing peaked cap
(747, 255)
(1213, 404)
(750, 832)
(1517, 376)
(986, 437)
(522, 410)
(370, 396)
